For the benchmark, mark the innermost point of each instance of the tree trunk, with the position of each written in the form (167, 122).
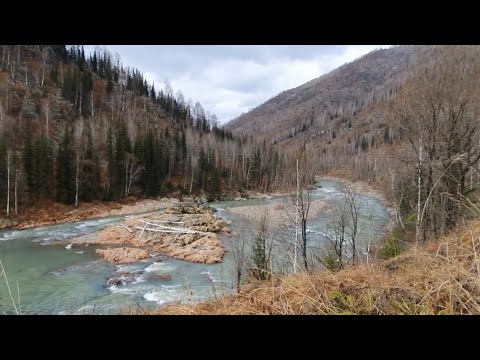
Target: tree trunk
(127, 171)
(304, 240)
(77, 182)
(478, 168)
(296, 227)
(122, 97)
(54, 172)
(239, 278)
(185, 176)
(419, 194)
(8, 183)
(46, 116)
(80, 101)
(43, 72)
(6, 98)
(191, 182)
(16, 191)
(92, 104)
(231, 171)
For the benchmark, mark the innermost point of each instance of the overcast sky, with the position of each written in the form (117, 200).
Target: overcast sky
(230, 79)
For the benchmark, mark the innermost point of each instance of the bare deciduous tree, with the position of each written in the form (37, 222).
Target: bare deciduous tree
(437, 113)
(79, 146)
(9, 163)
(239, 251)
(343, 228)
(261, 249)
(132, 172)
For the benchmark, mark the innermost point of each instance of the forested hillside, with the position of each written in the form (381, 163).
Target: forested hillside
(404, 118)
(77, 127)
(419, 143)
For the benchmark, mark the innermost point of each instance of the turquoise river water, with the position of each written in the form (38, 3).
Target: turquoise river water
(48, 278)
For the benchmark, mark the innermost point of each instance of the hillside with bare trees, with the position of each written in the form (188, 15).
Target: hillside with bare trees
(421, 145)
(330, 101)
(403, 118)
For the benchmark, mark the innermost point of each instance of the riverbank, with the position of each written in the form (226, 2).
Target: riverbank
(47, 212)
(366, 189)
(277, 214)
(53, 213)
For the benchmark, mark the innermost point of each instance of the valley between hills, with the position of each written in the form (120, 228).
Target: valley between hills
(354, 193)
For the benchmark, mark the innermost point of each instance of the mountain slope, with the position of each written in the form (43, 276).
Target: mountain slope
(80, 128)
(341, 93)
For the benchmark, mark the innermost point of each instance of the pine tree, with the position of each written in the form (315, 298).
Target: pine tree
(109, 86)
(94, 62)
(39, 170)
(65, 172)
(123, 147)
(29, 160)
(113, 189)
(153, 95)
(90, 173)
(60, 51)
(54, 74)
(259, 258)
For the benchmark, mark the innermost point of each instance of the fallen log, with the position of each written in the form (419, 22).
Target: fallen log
(172, 231)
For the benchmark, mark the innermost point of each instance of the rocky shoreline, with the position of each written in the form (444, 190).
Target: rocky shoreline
(185, 231)
(56, 213)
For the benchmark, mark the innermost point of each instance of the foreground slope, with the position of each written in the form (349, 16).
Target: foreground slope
(442, 277)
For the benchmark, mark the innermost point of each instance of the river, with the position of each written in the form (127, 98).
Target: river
(59, 279)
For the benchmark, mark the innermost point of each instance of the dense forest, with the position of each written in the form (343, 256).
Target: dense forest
(77, 127)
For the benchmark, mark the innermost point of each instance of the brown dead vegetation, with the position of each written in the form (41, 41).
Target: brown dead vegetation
(441, 277)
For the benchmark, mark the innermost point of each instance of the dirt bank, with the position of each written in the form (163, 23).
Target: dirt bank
(278, 214)
(50, 213)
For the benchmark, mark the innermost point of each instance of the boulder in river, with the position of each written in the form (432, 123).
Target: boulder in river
(122, 255)
(189, 208)
(157, 277)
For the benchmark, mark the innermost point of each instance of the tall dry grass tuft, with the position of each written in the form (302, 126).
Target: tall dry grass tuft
(16, 308)
(441, 277)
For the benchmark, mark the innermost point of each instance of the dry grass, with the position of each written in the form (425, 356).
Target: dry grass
(442, 277)
(16, 306)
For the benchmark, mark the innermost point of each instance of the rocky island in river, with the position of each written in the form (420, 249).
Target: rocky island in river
(184, 231)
